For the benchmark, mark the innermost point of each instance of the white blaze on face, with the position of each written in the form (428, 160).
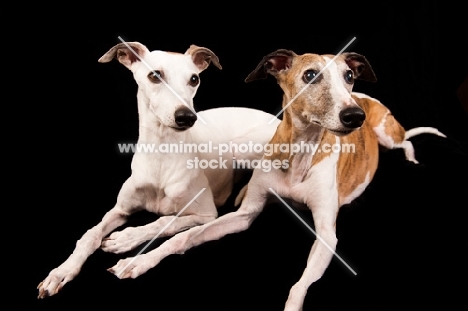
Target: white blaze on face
(340, 91)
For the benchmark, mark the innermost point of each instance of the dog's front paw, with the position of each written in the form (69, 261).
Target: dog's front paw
(296, 298)
(293, 306)
(56, 279)
(123, 241)
(132, 267)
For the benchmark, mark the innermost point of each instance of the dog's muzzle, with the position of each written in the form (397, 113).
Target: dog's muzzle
(184, 118)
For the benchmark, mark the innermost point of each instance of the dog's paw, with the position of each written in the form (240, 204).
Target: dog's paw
(123, 241)
(296, 298)
(132, 267)
(56, 279)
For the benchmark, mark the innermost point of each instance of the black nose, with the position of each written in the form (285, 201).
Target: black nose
(352, 117)
(184, 117)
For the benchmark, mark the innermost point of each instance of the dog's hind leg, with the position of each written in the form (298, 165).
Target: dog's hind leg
(390, 133)
(393, 137)
(408, 146)
(127, 202)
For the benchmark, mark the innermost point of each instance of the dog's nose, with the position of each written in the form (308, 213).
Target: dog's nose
(185, 117)
(352, 117)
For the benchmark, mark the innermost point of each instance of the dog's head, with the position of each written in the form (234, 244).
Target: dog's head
(318, 88)
(167, 81)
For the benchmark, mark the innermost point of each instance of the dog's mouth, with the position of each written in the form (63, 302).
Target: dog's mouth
(180, 128)
(342, 132)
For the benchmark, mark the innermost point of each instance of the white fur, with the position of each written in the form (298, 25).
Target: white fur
(338, 91)
(315, 186)
(388, 142)
(162, 183)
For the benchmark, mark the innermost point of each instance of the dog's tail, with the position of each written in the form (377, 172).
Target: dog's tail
(408, 146)
(422, 130)
(240, 196)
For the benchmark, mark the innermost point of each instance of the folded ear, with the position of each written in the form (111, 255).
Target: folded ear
(273, 63)
(126, 53)
(202, 57)
(360, 66)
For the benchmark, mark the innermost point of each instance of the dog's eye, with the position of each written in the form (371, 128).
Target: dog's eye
(311, 75)
(155, 76)
(349, 77)
(194, 80)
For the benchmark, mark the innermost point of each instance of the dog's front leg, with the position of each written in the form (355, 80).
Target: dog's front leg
(230, 223)
(185, 204)
(127, 202)
(129, 238)
(320, 255)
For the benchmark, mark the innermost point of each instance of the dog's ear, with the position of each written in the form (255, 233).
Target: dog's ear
(126, 53)
(202, 57)
(360, 66)
(273, 63)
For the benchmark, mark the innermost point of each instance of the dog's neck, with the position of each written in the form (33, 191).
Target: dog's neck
(295, 131)
(303, 134)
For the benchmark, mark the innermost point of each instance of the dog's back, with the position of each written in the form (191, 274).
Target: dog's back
(231, 134)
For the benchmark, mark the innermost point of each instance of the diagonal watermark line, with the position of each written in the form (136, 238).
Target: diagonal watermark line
(303, 89)
(161, 231)
(160, 78)
(312, 230)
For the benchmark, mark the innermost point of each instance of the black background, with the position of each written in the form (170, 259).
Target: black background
(406, 236)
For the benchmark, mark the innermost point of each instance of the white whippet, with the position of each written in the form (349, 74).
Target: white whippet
(320, 110)
(176, 185)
